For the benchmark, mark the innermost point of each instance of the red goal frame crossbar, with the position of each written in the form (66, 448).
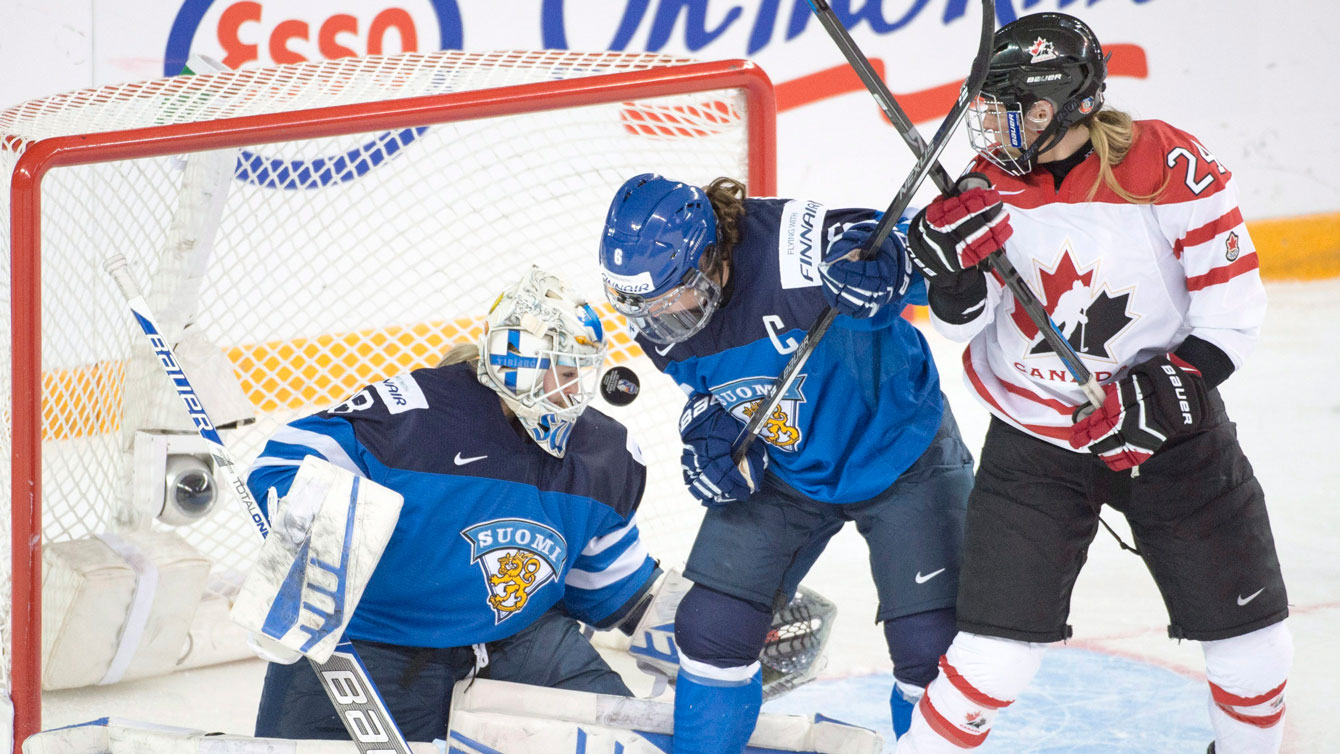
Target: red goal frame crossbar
(26, 264)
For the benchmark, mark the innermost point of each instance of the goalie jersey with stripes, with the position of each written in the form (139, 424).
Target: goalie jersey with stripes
(1123, 281)
(865, 405)
(494, 531)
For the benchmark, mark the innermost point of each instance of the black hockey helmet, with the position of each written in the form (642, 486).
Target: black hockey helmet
(1043, 56)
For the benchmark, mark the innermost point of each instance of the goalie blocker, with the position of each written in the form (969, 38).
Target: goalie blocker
(326, 536)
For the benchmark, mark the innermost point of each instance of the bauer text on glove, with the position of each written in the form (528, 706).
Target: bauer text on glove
(1157, 400)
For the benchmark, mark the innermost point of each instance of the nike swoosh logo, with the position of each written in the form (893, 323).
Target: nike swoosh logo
(664, 351)
(1244, 600)
(1011, 193)
(462, 461)
(923, 579)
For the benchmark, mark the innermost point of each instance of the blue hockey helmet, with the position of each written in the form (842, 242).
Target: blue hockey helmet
(657, 234)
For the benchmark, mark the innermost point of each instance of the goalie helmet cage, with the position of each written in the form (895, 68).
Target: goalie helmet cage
(324, 225)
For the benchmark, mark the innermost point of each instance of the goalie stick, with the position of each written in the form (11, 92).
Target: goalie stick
(1023, 294)
(344, 677)
(927, 160)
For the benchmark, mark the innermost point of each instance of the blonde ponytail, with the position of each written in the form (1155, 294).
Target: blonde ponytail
(458, 353)
(1112, 133)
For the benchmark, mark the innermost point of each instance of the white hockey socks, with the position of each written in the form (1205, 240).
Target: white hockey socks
(326, 536)
(979, 675)
(1247, 675)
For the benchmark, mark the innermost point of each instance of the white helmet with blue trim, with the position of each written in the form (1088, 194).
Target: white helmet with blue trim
(542, 350)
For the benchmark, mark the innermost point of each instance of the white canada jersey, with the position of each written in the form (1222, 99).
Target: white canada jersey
(1123, 282)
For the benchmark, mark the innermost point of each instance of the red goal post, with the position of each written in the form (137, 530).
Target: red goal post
(322, 225)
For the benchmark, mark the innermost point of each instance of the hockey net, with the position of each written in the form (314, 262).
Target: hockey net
(321, 226)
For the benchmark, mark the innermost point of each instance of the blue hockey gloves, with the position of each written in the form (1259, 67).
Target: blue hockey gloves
(859, 288)
(708, 432)
(1158, 400)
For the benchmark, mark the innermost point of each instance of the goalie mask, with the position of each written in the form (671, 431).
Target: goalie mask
(542, 350)
(657, 235)
(1050, 57)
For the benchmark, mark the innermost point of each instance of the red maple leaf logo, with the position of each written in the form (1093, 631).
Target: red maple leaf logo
(1038, 46)
(1054, 283)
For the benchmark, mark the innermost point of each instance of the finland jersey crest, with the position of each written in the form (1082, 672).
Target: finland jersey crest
(517, 557)
(742, 398)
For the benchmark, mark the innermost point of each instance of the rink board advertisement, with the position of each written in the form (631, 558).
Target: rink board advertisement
(1192, 64)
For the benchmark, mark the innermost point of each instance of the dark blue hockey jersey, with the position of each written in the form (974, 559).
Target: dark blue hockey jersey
(494, 531)
(866, 404)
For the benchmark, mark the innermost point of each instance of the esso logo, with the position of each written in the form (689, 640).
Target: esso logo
(251, 33)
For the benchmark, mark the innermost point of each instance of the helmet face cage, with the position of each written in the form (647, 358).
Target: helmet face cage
(1044, 56)
(996, 131)
(657, 234)
(674, 315)
(538, 329)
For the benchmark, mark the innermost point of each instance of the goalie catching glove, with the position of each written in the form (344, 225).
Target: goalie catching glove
(708, 432)
(792, 653)
(1157, 400)
(326, 536)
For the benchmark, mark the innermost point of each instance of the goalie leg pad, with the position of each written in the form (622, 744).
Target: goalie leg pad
(1247, 675)
(979, 676)
(326, 536)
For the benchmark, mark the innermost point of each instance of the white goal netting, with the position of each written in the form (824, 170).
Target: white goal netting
(321, 225)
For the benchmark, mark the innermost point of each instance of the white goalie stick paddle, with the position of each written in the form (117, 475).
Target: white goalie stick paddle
(927, 160)
(343, 676)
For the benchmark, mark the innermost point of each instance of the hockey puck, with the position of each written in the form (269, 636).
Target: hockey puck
(619, 386)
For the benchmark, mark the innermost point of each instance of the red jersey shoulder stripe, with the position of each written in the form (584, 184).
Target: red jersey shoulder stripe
(1205, 233)
(1223, 274)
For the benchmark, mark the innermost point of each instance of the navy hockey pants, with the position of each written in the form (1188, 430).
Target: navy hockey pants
(416, 683)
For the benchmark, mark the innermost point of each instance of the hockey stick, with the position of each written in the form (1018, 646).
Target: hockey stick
(927, 160)
(343, 676)
(1023, 294)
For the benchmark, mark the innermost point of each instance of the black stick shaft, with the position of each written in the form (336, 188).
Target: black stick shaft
(1023, 294)
(927, 163)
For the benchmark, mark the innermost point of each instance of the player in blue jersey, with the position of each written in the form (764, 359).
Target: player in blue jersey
(719, 289)
(517, 515)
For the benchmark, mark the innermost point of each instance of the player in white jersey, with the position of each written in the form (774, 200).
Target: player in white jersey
(1131, 236)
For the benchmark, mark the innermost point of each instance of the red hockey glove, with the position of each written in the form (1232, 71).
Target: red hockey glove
(955, 233)
(1156, 401)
